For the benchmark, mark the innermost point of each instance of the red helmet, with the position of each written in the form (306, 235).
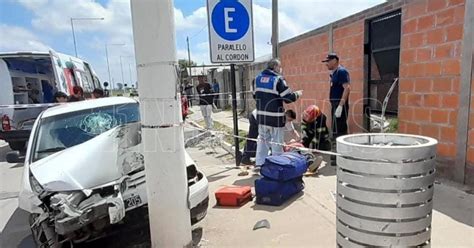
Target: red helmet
(311, 113)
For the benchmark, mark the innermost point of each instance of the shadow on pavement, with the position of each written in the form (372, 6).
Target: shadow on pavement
(327, 170)
(249, 181)
(197, 236)
(258, 207)
(17, 232)
(3, 153)
(134, 233)
(18, 165)
(211, 179)
(454, 203)
(215, 177)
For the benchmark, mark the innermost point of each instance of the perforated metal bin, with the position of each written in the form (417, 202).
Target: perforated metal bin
(385, 190)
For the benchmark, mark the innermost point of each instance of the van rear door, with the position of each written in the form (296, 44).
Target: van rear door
(59, 72)
(6, 85)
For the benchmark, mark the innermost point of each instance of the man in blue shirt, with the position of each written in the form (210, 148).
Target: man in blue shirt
(338, 96)
(271, 91)
(216, 88)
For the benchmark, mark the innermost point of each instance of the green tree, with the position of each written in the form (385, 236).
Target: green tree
(184, 63)
(183, 68)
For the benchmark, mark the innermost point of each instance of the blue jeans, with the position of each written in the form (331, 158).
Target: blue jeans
(265, 135)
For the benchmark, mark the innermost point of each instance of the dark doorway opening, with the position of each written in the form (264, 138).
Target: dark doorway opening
(383, 64)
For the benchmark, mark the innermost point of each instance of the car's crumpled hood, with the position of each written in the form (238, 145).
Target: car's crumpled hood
(100, 160)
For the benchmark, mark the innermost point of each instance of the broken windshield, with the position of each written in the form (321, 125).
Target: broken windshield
(63, 131)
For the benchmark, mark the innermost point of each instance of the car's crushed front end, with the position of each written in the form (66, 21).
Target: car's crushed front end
(75, 194)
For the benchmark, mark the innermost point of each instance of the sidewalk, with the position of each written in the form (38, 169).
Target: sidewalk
(223, 117)
(309, 220)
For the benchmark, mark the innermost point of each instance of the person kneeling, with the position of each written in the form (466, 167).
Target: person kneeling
(315, 132)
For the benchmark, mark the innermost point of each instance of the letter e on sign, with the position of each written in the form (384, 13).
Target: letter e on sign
(230, 25)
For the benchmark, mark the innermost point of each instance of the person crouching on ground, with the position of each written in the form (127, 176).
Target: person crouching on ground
(250, 148)
(315, 131)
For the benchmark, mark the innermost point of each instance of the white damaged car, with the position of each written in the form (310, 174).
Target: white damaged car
(84, 171)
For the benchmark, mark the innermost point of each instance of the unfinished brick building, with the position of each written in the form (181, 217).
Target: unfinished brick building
(427, 44)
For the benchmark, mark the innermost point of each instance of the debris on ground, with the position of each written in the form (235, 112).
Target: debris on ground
(243, 173)
(261, 224)
(333, 195)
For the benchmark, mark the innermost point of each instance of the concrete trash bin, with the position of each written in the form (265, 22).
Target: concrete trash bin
(385, 185)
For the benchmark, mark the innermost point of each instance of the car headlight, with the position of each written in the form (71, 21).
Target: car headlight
(35, 185)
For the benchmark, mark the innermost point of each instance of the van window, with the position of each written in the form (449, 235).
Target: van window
(27, 77)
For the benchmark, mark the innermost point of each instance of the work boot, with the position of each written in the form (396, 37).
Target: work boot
(246, 162)
(333, 161)
(316, 164)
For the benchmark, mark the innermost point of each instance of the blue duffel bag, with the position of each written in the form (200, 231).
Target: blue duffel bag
(275, 193)
(284, 167)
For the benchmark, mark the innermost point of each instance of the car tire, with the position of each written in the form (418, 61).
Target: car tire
(17, 145)
(45, 238)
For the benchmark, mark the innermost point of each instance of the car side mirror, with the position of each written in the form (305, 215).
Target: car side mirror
(14, 157)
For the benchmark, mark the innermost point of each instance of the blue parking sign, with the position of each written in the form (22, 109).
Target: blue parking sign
(230, 31)
(230, 20)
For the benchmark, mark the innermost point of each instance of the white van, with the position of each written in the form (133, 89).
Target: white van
(28, 82)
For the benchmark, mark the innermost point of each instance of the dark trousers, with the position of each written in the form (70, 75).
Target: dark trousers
(190, 100)
(250, 148)
(339, 126)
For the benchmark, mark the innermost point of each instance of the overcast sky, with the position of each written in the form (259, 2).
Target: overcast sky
(45, 24)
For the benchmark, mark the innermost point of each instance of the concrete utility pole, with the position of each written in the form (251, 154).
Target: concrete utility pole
(275, 31)
(72, 28)
(108, 65)
(162, 133)
(130, 73)
(189, 63)
(121, 69)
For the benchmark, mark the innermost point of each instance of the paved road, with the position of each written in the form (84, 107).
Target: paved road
(14, 231)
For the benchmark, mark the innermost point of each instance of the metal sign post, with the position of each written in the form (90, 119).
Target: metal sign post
(231, 41)
(234, 115)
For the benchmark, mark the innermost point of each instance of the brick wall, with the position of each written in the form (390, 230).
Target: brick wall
(304, 70)
(430, 71)
(349, 44)
(301, 62)
(430, 67)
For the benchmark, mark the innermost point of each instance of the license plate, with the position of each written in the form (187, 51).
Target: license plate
(133, 201)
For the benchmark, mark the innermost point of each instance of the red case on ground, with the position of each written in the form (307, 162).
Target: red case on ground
(233, 196)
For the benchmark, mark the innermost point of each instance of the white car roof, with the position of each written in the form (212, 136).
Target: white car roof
(86, 104)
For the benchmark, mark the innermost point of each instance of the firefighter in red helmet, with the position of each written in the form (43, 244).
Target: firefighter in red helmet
(315, 131)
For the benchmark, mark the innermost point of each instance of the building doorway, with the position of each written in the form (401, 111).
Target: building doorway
(382, 68)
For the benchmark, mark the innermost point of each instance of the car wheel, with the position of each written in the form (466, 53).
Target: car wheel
(44, 234)
(17, 145)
